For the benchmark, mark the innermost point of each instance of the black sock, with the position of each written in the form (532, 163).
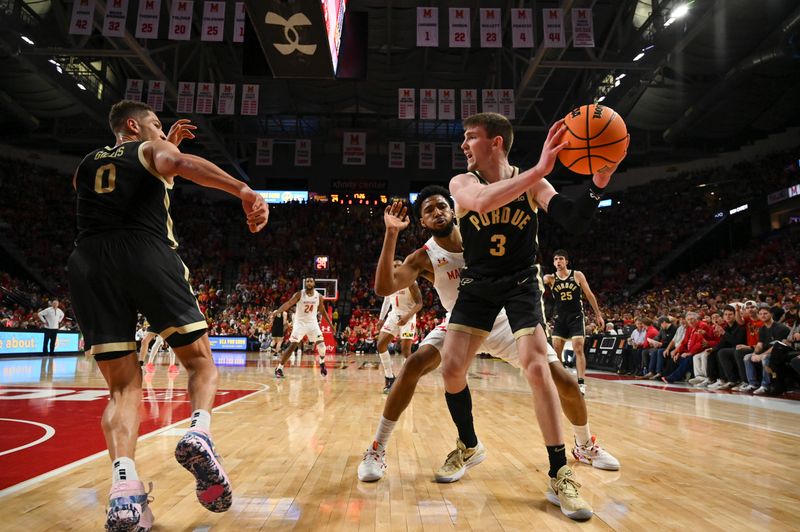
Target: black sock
(580, 381)
(460, 406)
(558, 458)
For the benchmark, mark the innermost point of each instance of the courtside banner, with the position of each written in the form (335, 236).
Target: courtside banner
(23, 342)
(228, 343)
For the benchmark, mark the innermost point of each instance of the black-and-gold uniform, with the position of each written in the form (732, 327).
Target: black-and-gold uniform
(568, 310)
(124, 260)
(500, 268)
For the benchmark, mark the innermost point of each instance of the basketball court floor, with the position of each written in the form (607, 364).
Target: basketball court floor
(690, 459)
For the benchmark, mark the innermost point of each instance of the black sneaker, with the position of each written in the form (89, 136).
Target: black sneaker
(279, 373)
(389, 383)
(323, 370)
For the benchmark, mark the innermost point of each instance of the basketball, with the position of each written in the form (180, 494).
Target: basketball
(597, 137)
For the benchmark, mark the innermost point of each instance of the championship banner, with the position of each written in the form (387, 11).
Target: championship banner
(459, 160)
(238, 22)
(428, 26)
(489, 101)
(469, 102)
(522, 28)
(553, 22)
(427, 155)
(302, 152)
(133, 90)
(180, 20)
(406, 100)
(249, 99)
(263, 152)
(447, 104)
(116, 16)
(491, 32)
(155, 95)
(427, 104)
(397, 155)
(82, 15)
(506, 104)
(147, 21)
(354, 148)
(226, 100)
(582, 28)
(213, 21)
(186, 97)
(205, 99)
(460, 27)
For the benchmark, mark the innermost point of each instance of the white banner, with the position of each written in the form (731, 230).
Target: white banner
(155, 95)
(226, 103)
(205, 98)
(116, 16)
(302, 152)
(186, 97)
(469, 102)
(147, 21)
(238, 22)
(582, 28)
(249, 99)
(406, 100)
(522, 28)
(397, 155)
(447, 104)
(506, 104)
(491, 32)
(427, 104)
(354, 148)
(489, 101)
(428, 26)
(553, 22)
(459, 161)
(180, 20)
(263, 152)
(213, 21)
(133, 90)
(459, 27)
(82, 15)
(427, 155)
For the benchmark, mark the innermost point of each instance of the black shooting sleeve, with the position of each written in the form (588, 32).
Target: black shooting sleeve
(575, 215)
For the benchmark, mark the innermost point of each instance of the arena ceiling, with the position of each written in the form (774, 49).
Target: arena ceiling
(726, 73)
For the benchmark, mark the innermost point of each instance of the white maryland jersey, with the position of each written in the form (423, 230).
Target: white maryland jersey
(446, 273)
(398, 304)
(306, 309)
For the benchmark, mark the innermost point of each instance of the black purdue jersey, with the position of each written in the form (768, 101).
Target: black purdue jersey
(501, 241)
(118, 191)
(567, 295)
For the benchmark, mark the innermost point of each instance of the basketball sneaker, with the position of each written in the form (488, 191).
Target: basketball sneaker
(195, 452)
(129, 507)
(323, 370)
(373, 465)
(563, 491)
(388, 383)
(595, 455)
(149, 367)
(459, 460)
(278, 373)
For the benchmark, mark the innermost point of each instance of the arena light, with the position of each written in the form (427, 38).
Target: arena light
(680, 11)
(27, 40)
(58, 67)
(52, 62)
(81, 87)
(739, 209)
(620, 77)
(600, 99)
(638, 56)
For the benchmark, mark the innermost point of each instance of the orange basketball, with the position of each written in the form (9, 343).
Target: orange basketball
(597, 137)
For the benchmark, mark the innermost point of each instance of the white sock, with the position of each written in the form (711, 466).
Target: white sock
(385, 428)
(124, 469)
(321, 353)
(582, 434)
(201, 419)
(280, 367)
(387, 364)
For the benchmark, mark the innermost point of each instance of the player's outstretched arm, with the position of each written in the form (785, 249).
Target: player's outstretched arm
(389, 279)
(291, 301)
(584, 284)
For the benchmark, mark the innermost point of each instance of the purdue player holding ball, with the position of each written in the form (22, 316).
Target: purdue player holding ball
(567, 287)
(498, 209)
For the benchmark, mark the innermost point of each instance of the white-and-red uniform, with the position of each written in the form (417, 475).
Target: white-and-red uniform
(446, 276)
(400, 304)
(305, 321)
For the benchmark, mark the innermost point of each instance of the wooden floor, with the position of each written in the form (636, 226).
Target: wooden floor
(292, 448)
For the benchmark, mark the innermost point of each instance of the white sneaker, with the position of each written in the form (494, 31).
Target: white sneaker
(725, 386)
(703, 383)
(748, 388)
(760, 391)
(595, 455)
(373, 465)
(695, 380)
(740, 387)
(716, 384)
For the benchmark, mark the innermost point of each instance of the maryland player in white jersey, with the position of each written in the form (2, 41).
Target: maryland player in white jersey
(398, 318)
(440, 261)
(305, 324)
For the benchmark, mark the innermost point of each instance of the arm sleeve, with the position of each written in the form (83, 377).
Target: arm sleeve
(575, 215)
(385, 307)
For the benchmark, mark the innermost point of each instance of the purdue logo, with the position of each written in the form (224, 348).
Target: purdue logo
(289, 31)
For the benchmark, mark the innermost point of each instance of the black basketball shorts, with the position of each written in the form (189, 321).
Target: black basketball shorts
(115, 275)
(571, 325)
(480, 299)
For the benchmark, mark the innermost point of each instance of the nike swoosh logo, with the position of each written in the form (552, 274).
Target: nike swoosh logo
(525, 280)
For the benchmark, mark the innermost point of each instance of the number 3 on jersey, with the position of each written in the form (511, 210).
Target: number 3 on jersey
(105, 179)
(500, 245)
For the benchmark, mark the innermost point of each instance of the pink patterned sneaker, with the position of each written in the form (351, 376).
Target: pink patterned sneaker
(129, 507)
(195, 453)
